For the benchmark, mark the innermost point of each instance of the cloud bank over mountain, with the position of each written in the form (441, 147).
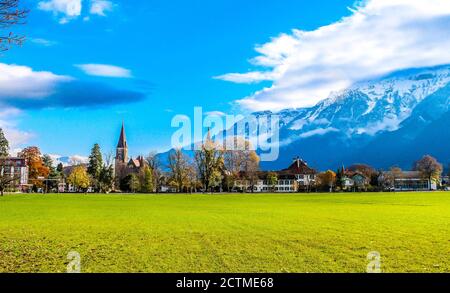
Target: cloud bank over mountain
(378, 38)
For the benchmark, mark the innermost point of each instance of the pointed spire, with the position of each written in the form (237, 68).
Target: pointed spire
(208, 137)
(123, 138)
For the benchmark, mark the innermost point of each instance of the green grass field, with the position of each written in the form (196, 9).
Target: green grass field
(226, 233)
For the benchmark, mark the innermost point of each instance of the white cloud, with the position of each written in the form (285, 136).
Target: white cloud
(318, 131)
(379, 37)
(15, 137)
(389, 123)
(215, 113)
(68, 9)
(100, 7)
(43, 42)
(23, 82)
(105, 70)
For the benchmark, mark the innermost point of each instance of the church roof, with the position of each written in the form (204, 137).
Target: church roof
(123, 138)
(139, 162)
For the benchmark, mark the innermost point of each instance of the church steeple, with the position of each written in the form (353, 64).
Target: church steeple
(122, 147)
(123, 138)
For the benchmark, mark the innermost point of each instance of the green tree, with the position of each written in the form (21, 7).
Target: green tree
(147, 185)
(79, 178)
(130, 183)
(106, 179)
(272, 180)
(54, 176)
(95, 165)
(4, 145)
(210, 164)
(340, 176)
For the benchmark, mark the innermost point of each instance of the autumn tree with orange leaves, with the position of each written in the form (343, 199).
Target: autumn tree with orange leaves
(37, 169)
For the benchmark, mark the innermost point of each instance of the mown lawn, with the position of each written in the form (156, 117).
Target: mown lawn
(226, 233)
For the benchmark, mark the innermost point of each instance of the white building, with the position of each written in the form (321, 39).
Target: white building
(298, 177)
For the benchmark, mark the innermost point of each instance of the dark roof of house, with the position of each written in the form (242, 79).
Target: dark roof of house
(351, 174)
(123, 138)
(298, 167)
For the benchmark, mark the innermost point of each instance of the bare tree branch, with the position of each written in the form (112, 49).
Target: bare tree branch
(11, 14)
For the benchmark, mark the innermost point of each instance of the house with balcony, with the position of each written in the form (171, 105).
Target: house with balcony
(297, 177)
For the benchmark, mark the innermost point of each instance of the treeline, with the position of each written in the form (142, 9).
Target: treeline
(211, 169)
(370, 179)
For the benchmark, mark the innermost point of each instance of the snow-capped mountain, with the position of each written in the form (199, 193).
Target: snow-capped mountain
(68, 160)
(377, 122)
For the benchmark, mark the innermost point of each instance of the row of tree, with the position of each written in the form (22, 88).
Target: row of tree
(428, 167)
(210, 169)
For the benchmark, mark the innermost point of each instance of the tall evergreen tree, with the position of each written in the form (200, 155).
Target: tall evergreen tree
(4, 145)
(95, 163)
(60, 168)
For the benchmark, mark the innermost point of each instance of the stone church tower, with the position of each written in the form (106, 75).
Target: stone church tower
(121, 151)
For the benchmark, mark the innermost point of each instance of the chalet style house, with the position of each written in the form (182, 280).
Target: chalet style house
(14, 170)
(298, 177)
(123, 164)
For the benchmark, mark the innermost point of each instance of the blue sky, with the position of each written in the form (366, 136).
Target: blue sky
(173, 49)
(162, 58)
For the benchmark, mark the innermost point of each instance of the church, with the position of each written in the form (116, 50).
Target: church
(123, 164)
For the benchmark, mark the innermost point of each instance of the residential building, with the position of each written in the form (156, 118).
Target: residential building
(15, 169)
(410, 181)
(445, 180)
(297, 177)
(354, 180)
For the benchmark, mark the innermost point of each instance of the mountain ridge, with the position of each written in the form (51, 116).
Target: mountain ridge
(357, 125)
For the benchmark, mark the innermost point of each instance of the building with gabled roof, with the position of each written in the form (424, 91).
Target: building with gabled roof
(297, 177)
